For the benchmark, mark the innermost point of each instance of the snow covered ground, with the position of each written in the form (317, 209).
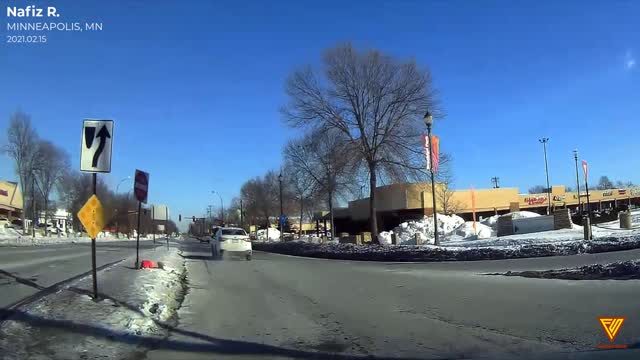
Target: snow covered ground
(273, 235)
(135, 306)
(12, 237)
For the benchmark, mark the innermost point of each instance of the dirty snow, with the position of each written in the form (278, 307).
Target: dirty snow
(11, 237)
(274, 234)
(135, 306)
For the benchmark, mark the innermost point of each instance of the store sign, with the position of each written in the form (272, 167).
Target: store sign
(607, 193)
(558, 197)
(534, 200)
(635, 191)
(622, 192)
(4, 193)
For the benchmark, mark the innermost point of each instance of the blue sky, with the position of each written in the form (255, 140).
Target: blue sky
(194, 87)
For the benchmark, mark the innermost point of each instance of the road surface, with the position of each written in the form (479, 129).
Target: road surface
(25, 271)
(279, 306)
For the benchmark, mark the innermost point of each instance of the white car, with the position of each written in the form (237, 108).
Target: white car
(232, 240)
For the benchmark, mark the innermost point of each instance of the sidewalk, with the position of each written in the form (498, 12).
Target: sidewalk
(135, 306)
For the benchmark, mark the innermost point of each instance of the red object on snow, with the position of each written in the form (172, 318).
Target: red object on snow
(148, 264)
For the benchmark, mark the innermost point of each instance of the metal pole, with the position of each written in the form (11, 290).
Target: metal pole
(586, 185)
(138, 237)
(241, 216)
(546, 169)
(166, 224)
(33, 205)
(436, 241)
(575, 157)
(93, 250)
(280, 222)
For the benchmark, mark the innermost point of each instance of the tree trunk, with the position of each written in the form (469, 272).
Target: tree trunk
(333, 235)
(46, 207)
(373, 220)
(23, 187)
(301, 214)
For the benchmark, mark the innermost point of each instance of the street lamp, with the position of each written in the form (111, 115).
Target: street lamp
(221, 204)
(575, 157)
(546, 169)
(121, 181)
(126, 204)
(280, 220)
(428, 120)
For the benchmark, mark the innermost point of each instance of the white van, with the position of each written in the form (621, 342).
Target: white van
(232, 240)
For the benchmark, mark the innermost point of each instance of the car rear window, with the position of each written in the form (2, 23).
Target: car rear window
(233, 232)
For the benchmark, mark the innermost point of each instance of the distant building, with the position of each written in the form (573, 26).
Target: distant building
(401, 202)
(61, 219)
(11, 203)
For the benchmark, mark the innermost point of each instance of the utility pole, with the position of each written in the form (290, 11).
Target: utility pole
(546, 169)
(575, 157)
(280, 219)
(496, 182)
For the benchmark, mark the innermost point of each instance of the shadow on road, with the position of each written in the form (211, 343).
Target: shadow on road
(211, 345)
(21, 280)
(198, 257)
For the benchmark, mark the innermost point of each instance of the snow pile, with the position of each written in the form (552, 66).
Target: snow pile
(523, 214)
(492, 221)
(385, 237)
(313, 239)
(274, 235)
(134, 305)
(481, 231)
(407, 231)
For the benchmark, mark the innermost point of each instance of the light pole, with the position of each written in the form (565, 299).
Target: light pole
(575, 157)
(280, 220)
(221, 205)
(428, 120)
(127, 208)
(546, 169)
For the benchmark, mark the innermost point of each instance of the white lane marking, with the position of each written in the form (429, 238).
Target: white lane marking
(48, 259)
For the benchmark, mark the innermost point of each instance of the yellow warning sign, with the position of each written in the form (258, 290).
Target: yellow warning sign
(92, 216)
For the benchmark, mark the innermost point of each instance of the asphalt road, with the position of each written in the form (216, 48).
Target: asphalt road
(25, 271)
(280, 306)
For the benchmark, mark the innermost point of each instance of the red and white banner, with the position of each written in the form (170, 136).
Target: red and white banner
(425, 148)
(435, 151)
(585, 167)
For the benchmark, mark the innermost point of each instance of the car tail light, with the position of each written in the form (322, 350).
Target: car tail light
(247, 239)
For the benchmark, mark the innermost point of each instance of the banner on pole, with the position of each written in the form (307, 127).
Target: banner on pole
(435, 152)
(425, 147)
(585, 167)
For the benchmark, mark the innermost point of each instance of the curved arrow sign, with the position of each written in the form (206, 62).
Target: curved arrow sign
(97, 138)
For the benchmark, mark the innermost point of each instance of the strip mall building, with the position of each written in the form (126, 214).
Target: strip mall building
(401, 202)
(10, 200)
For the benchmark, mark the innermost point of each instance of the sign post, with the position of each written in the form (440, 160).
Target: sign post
(585, 168)
(95, 156)
(140, 190)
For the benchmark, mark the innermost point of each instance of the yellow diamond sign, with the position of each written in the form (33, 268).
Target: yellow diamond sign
(92, 216)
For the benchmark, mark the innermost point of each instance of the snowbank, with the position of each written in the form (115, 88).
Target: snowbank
(481, 231)
(407, 231)
(385, 237)
(492, 221)
(134, 305)
(274, 234)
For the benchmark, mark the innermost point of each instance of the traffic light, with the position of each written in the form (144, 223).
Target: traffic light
(194, 219)
(180, 217)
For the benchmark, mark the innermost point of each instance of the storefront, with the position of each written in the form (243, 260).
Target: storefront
(10, 200)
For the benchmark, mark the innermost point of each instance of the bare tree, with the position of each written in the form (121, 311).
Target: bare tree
(538, 189)
(604, 183)
(377, 102)
(301, 182)
(325, 157)
(445, 191)
(51, 163)
(22, 147)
